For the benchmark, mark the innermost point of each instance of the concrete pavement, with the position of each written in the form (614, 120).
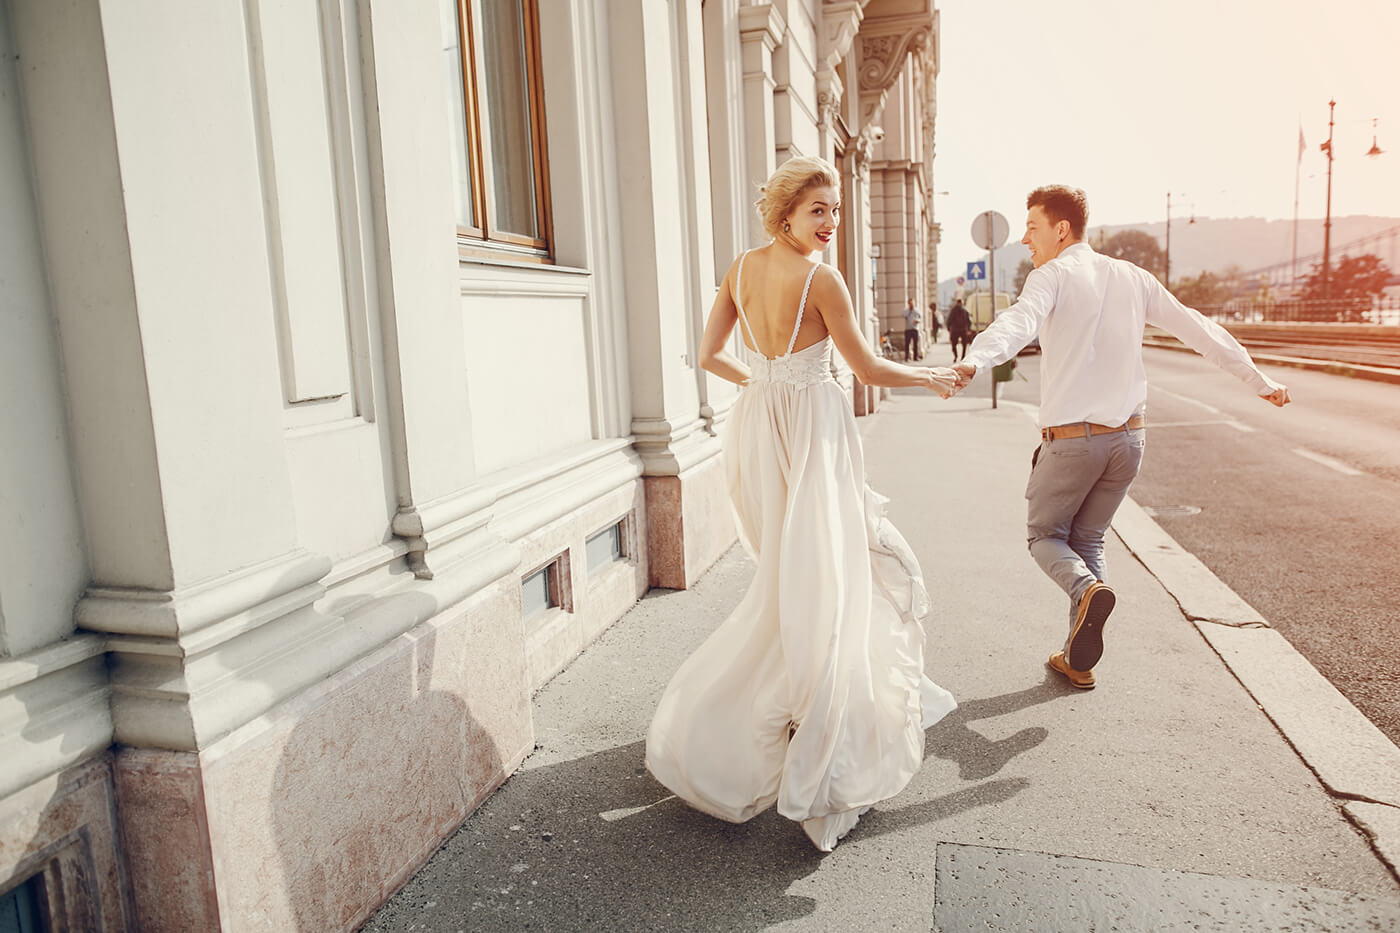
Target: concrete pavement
(1168, 798)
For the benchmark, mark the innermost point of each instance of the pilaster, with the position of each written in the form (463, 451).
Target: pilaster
(419, 289)
(665, 278)
(760, 30)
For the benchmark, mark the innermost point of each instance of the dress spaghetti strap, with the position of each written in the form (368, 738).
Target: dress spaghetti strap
(801, 307)
(739, 305)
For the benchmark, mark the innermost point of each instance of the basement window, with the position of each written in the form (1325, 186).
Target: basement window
(604, 549)
(19, 909)
(547, 588)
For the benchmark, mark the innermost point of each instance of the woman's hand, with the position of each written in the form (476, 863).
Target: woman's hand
(942, 380)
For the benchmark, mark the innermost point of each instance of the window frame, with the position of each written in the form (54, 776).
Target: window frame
(480, 238)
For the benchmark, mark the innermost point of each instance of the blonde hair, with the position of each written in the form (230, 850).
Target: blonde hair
(786, 186)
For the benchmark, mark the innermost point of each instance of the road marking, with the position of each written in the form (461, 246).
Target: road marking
(1186, 398)
(1196, 424)
(1327, 461)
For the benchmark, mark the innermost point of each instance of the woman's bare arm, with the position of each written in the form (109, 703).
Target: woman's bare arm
(833, 303)
(714, 343)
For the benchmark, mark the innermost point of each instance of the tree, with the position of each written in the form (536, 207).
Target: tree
(1023, 270)
(1135, 246)
(1357, 279)
(1204, 291)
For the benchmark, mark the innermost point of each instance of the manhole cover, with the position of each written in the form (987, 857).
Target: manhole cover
(1171, 511)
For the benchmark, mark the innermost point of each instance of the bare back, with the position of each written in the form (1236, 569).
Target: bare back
(769, 288)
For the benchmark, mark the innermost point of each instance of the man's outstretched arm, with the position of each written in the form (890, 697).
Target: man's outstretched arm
(1212, 341)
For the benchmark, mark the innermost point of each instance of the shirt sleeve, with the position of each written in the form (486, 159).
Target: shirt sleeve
(1204, 336)
(1017, 325)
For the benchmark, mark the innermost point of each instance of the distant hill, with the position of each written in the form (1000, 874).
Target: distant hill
(1211, 245)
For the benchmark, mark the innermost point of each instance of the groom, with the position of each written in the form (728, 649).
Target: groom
(1090, 311)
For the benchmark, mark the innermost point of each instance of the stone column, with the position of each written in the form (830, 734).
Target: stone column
(152, 203)
(687, 527)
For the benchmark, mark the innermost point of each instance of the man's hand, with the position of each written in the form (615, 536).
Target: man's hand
(1277, 397)
(965, 372)
(943, 381)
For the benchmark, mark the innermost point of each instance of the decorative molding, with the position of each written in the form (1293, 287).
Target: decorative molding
(435, 524)
(54, 710)
(841, 21)
(761, 21)
(669, 449)
(830, 90)
(882, 54)
(182, 612)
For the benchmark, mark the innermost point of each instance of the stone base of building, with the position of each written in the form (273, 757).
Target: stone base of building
(309, 817)
(59, 839)
(690, 523)
(591, 597)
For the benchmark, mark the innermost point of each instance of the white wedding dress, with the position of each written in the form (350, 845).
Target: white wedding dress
(812, 694)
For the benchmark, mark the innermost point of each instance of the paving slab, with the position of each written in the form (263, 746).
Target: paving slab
(1002, 891)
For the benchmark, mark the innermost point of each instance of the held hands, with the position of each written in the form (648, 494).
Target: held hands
(943, 381)
(962, 373)
(1277, 397)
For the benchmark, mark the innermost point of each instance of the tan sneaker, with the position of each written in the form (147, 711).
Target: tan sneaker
(1085, 645)
(1084, 680)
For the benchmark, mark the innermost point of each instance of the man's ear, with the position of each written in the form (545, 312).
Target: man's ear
(1062, 230)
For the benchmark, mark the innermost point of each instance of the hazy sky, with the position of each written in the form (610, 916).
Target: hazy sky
(1130, 100)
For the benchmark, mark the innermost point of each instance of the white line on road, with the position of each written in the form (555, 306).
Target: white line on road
(1186, 398)
(1327, 461)
(1195, 424)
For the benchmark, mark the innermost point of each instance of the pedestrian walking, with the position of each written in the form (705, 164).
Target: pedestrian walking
(912, 319)
(959, 329)
(934, 324)
(1089, 311)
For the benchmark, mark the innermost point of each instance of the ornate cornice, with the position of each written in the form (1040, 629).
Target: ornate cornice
(882, 52)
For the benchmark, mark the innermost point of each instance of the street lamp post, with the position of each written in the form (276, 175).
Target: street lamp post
(1167, 272)
(1327, 223)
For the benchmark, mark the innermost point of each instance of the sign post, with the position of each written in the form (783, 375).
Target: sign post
(989, 231)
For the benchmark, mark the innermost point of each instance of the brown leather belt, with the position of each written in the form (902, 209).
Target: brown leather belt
(1082, 428)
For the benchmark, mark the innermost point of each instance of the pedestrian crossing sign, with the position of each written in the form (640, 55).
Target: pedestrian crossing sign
(977, 271)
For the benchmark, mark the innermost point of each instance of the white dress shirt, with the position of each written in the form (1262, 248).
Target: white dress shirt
(1090, 311)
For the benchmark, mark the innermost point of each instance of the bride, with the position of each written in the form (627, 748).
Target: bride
(812, 694)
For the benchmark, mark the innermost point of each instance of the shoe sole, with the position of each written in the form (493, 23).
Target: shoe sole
(1080, 684)
(1086, 644)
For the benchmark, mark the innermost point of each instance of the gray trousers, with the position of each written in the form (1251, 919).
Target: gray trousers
(1076, 485)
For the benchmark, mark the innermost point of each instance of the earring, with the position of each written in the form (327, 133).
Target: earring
(787, 227)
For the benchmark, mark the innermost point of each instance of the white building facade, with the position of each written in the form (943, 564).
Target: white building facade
(349, 351)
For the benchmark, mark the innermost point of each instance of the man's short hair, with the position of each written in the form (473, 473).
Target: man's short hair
(1061, 202)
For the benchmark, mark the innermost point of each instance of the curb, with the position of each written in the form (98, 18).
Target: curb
(1352, 370)
(1355, 762)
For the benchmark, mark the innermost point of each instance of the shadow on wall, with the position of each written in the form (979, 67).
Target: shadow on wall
(597, 843)
(352, 808)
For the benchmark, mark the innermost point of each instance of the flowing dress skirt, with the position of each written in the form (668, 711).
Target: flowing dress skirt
(812, 694)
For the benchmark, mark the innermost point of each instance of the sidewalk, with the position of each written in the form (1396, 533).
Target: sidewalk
(1165, 799)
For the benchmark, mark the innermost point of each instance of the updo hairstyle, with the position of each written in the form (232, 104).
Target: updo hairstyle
(786, 186)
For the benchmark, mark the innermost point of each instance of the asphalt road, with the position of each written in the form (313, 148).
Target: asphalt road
(1296, 509)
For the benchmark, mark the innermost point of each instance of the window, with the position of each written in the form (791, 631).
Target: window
(491, 50)
(549, 587)
(20, 911)
(604, 549)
